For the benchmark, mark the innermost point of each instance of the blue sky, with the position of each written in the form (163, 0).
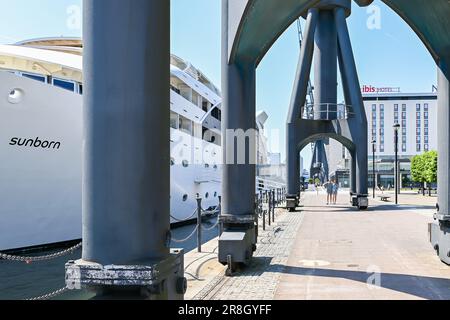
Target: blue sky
(391, 55)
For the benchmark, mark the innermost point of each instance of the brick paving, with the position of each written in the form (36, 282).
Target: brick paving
(259, 281)
(337, 252)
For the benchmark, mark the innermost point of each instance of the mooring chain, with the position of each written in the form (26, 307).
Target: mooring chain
(49, 296)
(187, 238)
(40, 258)
(213, 227)
(188, 218)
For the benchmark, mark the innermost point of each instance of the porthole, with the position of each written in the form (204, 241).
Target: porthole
(215, 194)
(172, 161)
(207, 195)
(185, 163)
(206, 165)
(185, 197)
(15, 96)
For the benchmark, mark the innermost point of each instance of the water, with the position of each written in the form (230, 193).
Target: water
(20, 281)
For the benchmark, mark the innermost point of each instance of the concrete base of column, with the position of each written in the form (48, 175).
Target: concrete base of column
(439, 233)
(161, 281)
(360, 201)
(238, 241)
(292, 202)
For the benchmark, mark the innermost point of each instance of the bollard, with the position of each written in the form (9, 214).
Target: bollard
(199, 224)
(220, 223)
(269, 201)
(273, 206)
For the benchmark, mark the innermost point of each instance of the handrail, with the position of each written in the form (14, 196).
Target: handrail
(332, 111)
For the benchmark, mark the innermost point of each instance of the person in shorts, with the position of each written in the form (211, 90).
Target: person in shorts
(335, 192)
(329, 188)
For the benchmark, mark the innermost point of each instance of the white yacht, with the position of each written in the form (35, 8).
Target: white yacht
(41, 141)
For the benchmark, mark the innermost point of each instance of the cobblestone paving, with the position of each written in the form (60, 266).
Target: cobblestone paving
(259, 281)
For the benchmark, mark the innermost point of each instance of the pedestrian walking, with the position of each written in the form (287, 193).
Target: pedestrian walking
(329, 188)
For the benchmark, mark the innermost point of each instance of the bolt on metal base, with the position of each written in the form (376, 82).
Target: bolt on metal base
(163, 280)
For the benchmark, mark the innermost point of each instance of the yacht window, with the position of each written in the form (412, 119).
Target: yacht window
(217, 114)
(174, 120)
(185, 125)
(185, 197)
(68, 85)
(185, 163)
(215, 194)
(207, 195)
(80, 89)
(35, 77)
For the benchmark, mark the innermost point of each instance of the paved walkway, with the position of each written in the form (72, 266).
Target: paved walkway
(336, 252)
(383, 253)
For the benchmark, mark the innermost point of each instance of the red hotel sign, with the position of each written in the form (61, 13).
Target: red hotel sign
(371, 89)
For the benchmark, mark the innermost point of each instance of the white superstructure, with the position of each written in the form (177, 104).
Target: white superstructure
(41, 141)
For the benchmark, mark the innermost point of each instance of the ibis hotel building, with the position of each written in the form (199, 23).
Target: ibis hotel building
(417, 115)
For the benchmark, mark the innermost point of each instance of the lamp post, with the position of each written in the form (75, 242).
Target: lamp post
(374, 144)
(396, 128)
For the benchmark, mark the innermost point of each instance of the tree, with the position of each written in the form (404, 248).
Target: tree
(430, 170)
(418, 170)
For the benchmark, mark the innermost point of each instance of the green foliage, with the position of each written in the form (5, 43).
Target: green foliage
(430, 172)
(417, 169)
(424, 167)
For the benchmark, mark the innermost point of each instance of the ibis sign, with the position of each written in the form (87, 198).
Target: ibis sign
(372, 89)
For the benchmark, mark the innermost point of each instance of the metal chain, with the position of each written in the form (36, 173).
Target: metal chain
(40, 258)
(211, 211)
(49, 296)
(211, 228)
(187, 238)
(188, 218)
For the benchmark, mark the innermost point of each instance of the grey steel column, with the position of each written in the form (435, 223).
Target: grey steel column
(353, 172)
(359, 127)
(440, 229)
(126, 155)
(238, 113)
(443, 142)
(325, 60)
(238, 241)
(298, 100)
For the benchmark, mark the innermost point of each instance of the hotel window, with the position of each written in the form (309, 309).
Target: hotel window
(418, 131)
(403, 107)
(404, 123)
(418, 148)
(404, 115)
(418, 107)
(404, 139)
(403, 147)
(404, 131)
(418, 140)
(426, 139)
(425, 122)
(425, 107)
(426, 147)
(426, 131)
(374, 107)
(382, 148)
(425, 115)
(396, 107)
